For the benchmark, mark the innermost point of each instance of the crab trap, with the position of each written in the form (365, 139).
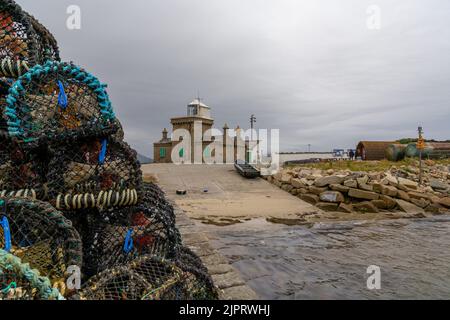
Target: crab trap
(19, 282)
(94, 173)
(121, 235)
(39, 235)
(58, 102)
(23, 173)
(24, 42)
(145, 278)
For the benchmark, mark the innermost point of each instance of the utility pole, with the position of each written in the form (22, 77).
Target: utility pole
(309, 148)
(252, 124)
(420, 146)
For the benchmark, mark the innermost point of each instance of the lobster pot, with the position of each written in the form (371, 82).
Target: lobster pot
(48, 46)
(154, 198)
(58, 102)
(19, 282)
(395, 152)
(145, 278)
(120, 236)
(39, 235)
(22, 173)
(94, 173)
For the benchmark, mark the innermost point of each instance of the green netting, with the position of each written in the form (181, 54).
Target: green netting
(42, 237)
(58, 102)
(19, 282)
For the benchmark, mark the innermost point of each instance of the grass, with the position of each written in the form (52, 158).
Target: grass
(382, 165)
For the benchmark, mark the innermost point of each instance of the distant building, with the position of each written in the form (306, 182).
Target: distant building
(196, 111)
(372, 150)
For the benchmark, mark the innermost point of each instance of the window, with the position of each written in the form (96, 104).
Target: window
(162, 152)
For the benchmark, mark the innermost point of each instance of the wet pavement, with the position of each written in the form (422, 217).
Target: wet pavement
(330, 260)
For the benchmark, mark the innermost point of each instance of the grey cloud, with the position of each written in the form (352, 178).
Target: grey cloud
(310, 68)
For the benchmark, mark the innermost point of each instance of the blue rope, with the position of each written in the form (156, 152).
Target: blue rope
(102, 155)
(128, 245)
(62, 97)
(6, 233)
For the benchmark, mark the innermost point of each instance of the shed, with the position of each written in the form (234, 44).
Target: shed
(372, 150)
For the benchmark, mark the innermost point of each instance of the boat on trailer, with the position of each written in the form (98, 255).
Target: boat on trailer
(246, 170)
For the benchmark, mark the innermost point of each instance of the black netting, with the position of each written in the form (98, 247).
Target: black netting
(119, 236)
(94, 173)
(58, 102)
(41, 236)
(23, 172)
(146, 278)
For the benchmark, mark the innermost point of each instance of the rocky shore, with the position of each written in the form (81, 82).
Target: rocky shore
(395, 192)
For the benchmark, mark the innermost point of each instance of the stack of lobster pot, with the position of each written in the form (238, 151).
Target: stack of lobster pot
(63, 158)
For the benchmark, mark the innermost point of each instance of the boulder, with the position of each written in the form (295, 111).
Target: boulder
(445, 202)
(325, 181)
(438, 185)
(351, 183)
(303, 191)
(327, 206)
(408, 183)
(421, 203)
(361, 194)
(365, 207)
(366, 187)
(332, 196)
(380, 204)
(389, 202)
(403, 195)
(388, 190)
(418, 195)
(435, 209)
(409, 207)
(362, 180)
(339, 187)
(391, 180)
(317, 190)
(287, 187)
(310, 198)
(344, 207)
(297, 183)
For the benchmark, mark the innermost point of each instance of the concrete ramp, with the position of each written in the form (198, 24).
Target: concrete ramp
(229, 196)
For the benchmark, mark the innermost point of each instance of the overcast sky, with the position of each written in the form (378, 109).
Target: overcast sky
(312, 68)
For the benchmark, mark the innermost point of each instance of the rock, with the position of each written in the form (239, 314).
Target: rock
(351, 183)
(389, 191)
(317, 190)
(380, 204)
(361, 194)
(294, 191)
(365, 207)
(418, 195)
(297, 183)
(422, 203)
(438, 185)
(339, 187)
(445, 202)
(303, 191)
(327, 206)
(332, 196)
(287, 187)
(325, 181)
(285, 178)
(344, 207)
(362, 180)
(435, 209)
(389, 202)
(408, 183)
(310, 198)
(403, 195)
(366, 187)
(409, 207)
(391, 180)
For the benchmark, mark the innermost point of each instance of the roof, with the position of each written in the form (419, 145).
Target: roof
(197, 102)
(374, 150)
